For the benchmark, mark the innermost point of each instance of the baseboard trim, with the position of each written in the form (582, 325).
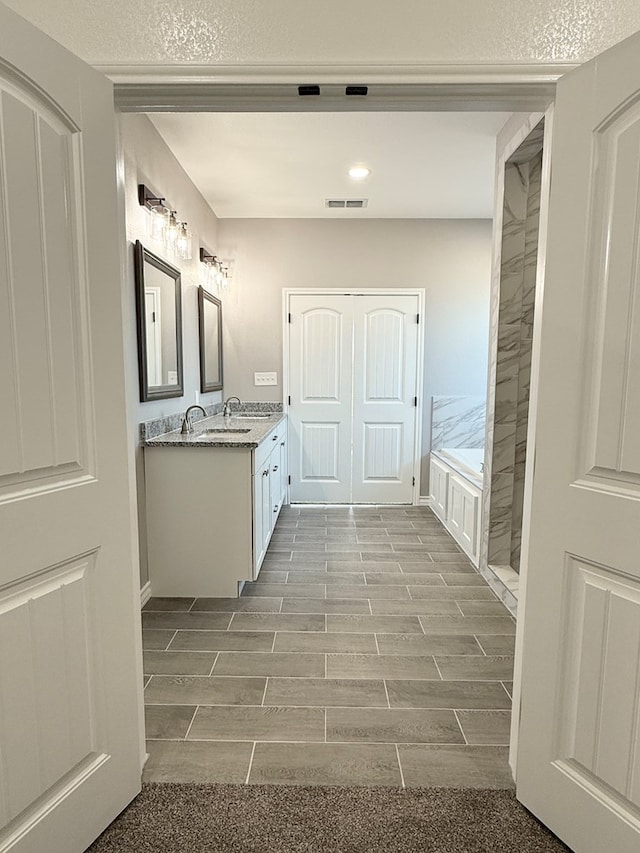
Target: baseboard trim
(424, 500)
(145, 594)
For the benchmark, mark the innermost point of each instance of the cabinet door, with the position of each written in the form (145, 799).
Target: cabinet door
(463, 511)
(438, 481)
(283, 447)
(265, 505)
(260, 483)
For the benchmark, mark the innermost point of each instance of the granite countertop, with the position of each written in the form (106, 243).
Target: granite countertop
(257, 431)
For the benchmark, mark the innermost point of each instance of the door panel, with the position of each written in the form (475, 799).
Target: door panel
(384, 415)
(70, 672)
(323, 354)
(321, 388)
(578, 761)
(42, 378)
(321, 456)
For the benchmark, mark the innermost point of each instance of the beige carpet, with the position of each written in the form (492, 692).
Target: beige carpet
(186, 818)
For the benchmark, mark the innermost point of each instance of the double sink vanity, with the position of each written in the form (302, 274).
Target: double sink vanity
(213, 497)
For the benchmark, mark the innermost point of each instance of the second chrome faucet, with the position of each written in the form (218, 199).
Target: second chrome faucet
(226, 408)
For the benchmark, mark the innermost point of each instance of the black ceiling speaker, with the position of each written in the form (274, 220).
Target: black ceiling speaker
(357, 90)
(303, 91)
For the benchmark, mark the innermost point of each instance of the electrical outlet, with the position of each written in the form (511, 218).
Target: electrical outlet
(265, 378)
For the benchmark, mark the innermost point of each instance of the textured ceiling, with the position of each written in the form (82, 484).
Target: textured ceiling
(334, 31)
(423, 165)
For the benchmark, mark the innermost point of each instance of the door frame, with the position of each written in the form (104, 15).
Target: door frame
(142, 88)
(420, 292)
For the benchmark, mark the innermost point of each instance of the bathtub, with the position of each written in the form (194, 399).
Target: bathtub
(469, 461)
(455, 486)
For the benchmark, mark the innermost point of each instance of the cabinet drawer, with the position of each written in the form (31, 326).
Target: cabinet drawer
(265, 448)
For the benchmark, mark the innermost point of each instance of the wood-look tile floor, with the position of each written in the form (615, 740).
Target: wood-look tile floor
(369, 652)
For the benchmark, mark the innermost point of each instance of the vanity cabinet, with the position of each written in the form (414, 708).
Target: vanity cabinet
(211, 512)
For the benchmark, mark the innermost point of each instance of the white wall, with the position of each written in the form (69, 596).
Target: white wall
(236, 32)
(147, 160)
(451, 259)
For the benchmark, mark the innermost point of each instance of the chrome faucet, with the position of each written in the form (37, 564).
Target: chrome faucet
(226, 408)
(187, 426)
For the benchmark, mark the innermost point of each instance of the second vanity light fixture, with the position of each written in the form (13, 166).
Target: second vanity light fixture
(163, 224)
(218, 272)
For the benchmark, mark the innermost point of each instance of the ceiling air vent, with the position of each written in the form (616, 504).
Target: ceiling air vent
(349, 203)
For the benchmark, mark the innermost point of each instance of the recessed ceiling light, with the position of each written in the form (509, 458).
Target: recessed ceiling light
(358, 173)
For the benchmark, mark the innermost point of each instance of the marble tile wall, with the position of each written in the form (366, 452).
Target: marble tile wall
(512, 304)
(458, 421)
(524, 361)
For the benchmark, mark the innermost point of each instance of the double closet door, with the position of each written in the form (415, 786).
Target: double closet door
(353, 373)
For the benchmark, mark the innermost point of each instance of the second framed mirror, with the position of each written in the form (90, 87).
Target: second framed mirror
(210, 321)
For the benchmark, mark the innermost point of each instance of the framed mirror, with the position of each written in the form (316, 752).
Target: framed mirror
(159, 313)
(210, 316)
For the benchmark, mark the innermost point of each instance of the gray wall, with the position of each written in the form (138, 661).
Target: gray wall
(451, 259)
(147, 160)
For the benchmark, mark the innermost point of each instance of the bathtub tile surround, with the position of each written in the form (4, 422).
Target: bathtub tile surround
(336, 693)
(457, 421)
(512, 306)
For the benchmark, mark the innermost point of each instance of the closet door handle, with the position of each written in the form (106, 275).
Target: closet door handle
(265, 473)
(275, 467)
(282, 444)
(275, 438)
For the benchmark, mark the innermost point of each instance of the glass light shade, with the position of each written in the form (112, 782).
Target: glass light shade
(211, 276)
(171, 232)
(183, 242)
(156, 222)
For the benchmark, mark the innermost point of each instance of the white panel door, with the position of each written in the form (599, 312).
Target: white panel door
(70, 683)
(320, 409)
(384, 397)
(578, 763)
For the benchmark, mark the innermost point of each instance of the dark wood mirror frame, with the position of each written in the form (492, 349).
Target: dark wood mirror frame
(209, 383)
(161, 391)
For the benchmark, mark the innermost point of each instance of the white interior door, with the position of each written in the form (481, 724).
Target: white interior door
(578, 762)
(320, 391)
(70, 682)
(384, 397)
(353, 367)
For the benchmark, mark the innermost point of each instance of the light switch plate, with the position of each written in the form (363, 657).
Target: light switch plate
(265, 378)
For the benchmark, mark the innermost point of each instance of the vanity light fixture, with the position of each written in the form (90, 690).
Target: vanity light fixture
(163, 225)
(217, 272)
